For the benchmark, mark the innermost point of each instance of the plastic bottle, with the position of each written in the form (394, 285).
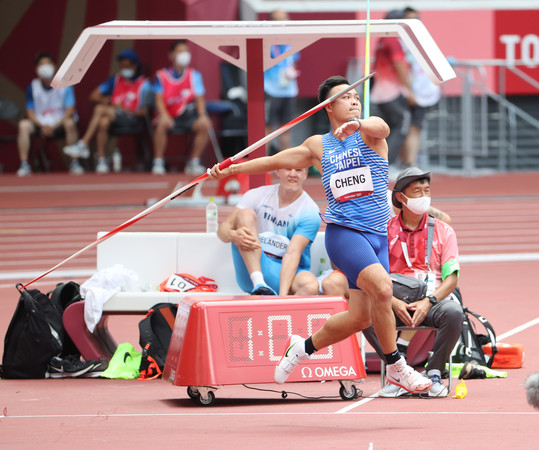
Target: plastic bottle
(212, 218)
(461, 391)
(117, 160)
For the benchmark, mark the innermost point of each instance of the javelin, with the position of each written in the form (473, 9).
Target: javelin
(226, 163)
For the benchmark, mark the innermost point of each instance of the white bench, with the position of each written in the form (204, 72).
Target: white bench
(156, 256)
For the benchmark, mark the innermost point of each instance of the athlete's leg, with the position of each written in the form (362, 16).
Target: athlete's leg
(344, 324)
(305, 283)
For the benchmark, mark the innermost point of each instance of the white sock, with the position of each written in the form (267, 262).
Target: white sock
(194, 161)
(257, 278)
(432, 372)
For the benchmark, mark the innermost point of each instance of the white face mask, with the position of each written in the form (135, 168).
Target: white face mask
(183, 59)
(418, 205)
(127, 73)
(45, 71)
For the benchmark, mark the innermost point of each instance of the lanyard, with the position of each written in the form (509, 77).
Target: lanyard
(428, 247)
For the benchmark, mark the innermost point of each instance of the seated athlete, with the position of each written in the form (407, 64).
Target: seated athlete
(271, 231)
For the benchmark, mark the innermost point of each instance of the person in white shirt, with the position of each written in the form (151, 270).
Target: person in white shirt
(271, 231)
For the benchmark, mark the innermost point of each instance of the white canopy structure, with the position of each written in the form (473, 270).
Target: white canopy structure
(253, 40)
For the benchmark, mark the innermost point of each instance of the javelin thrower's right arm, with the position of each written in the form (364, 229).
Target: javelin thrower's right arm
(299, 157)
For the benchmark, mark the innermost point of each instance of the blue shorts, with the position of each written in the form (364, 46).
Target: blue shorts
(353, 250)
(271, 269)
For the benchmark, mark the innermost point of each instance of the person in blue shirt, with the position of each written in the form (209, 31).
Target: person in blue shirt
(180, 104)
(49, 112)
(121, 100)
(281, 88)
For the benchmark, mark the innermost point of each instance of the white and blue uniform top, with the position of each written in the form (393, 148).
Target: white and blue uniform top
(277, 226)
(355, 180)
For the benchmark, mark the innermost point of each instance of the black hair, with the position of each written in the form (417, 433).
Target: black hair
(42, 55)
(328, 85)
(409, 9)
(176, 43)
(418, 180)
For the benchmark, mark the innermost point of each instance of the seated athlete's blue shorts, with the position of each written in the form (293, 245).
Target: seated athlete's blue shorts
(353, 250)
(271, 269)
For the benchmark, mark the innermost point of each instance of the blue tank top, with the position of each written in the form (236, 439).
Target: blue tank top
(352, 156)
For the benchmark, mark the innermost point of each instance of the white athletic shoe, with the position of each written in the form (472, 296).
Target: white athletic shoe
(438, 388)
(404, 376)
(75, 168)
(392, 391)
(158, 167)
(24, 170)
(102, 167)
(293, 355)
(78, 150)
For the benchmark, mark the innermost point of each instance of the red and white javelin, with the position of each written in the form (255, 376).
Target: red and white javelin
(226, 163)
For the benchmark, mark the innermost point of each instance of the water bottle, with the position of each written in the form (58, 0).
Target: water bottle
(117, 160)
(212, 222)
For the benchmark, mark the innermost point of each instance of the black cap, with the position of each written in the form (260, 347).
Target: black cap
(404, 179)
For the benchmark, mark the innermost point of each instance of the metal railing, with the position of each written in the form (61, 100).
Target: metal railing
(482, 129)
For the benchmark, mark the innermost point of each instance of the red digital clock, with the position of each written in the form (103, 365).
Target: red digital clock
(239, 340)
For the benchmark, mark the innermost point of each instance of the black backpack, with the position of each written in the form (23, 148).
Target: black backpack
(155, 333)
(470, 345)
(63, 295)
(36, 333)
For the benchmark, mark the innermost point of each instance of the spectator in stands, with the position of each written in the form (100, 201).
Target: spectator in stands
(271, 231)
(281, 87)
(391, 90)
(425, 94)
(179, 100)
(49, 112)
(119, 101)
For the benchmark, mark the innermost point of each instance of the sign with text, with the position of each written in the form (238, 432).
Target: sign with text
(517, 39)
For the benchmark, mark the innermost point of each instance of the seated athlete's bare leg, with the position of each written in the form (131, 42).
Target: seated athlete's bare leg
(246, 218)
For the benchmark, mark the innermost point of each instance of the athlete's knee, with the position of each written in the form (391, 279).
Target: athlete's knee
(305, 284)
(104, 123)
(26, 126)
(358, 322)
(246, 217)
(335, 284)
(381, 292)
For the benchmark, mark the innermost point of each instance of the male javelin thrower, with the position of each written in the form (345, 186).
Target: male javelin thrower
(352, 159)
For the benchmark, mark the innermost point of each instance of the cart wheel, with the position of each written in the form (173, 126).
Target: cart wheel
(193, 392)
(348, 395)
(208, 401)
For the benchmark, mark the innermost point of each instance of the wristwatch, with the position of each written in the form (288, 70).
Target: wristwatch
(432, 299)
(355, 119)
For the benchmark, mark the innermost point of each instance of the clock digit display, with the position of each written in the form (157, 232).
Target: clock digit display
(240, 332)
(278, 332)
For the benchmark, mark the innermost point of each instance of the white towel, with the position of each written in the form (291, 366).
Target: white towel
(101, 287)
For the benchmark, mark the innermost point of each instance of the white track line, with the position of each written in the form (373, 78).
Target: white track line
(499, 339)
(354, 405)
(518, 329)
(280, 413)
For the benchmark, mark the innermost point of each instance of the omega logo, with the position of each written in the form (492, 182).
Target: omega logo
(327, 372)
